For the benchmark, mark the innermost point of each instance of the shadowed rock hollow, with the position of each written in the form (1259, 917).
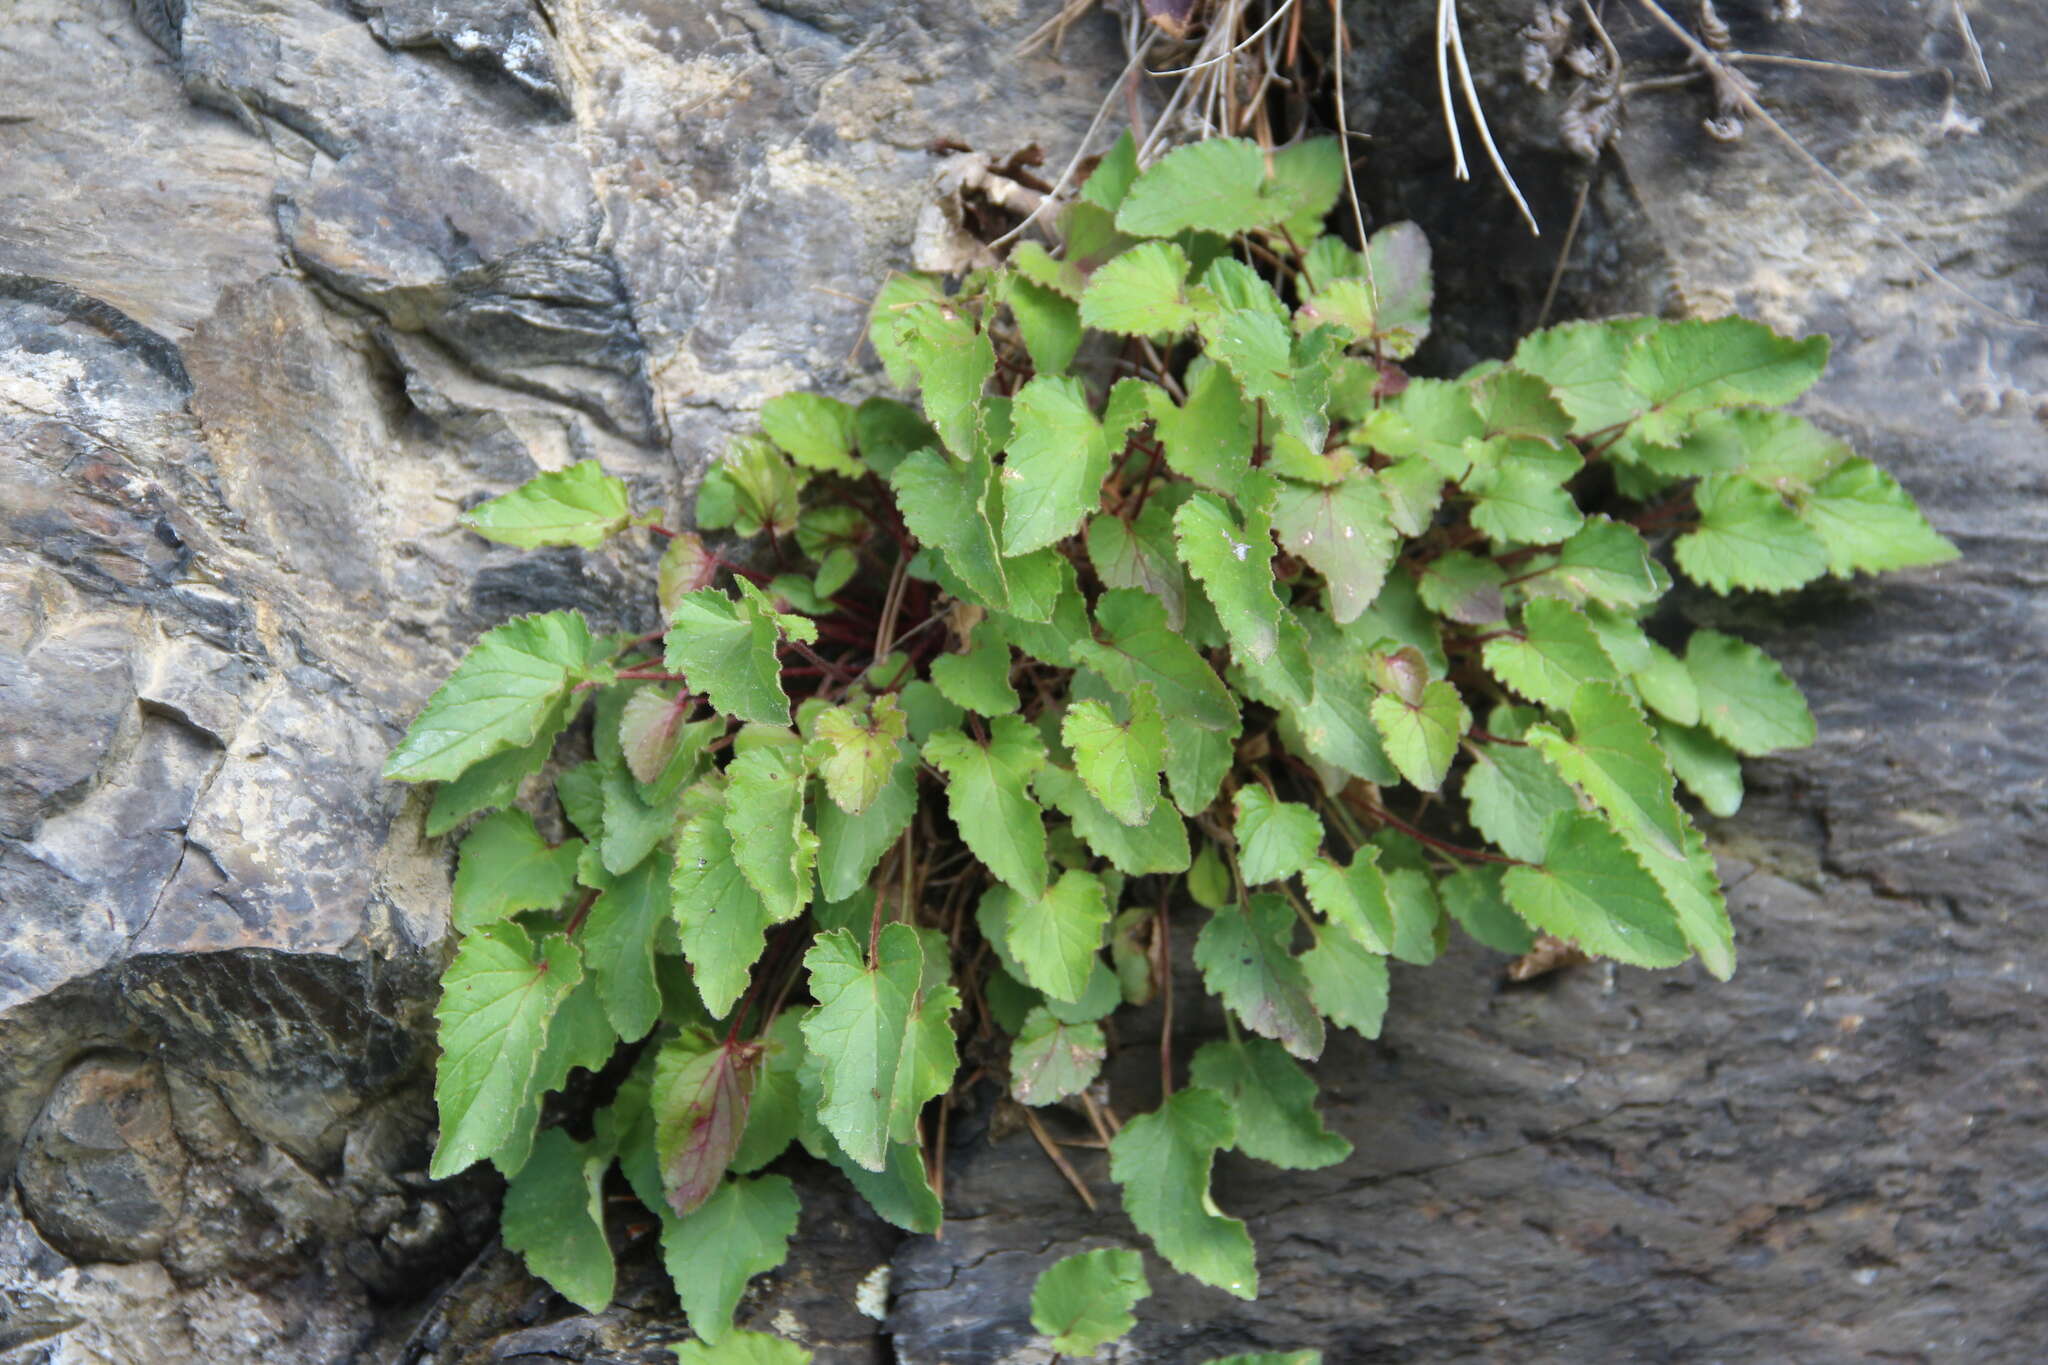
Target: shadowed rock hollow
(285, 285)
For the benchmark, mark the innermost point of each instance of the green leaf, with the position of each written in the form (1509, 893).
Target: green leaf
(578, 1036)
(1140, 554)
(1604, 562)
(1210, 439)
(1693, 890)
(1592, 891)
(1197, 761)
(722, 921)
(1473, 896)
(753, 489)
(886, 431)
(1336, 725)
(554, 1218)
(849, 846)
(978, 680)
(1051, 1060)
(1049, 324)
(1683, 368)
(898, 294)
(1519, 495)
(1058, 459)
(742, 1348)
(1246, 962)
(653, 734)
(1275, 839)
(1746, 701)
(726, 649)
(1556, 651)
(1162, 1160)
(1418, 913)
(1218, 186)
(701, 1094)
(581, 505)
(1465, 588)
(1343, 533)
(632, 827)
(496, 781)
(1708, 768)
(501, 696)
(1613, 757)
(817, 431)
(1290, 375)
(1275, 1102)
(1120, 764)
(506, 867)
(497, 999)
(953, 359)
(1353, 899)
(1143, 292)
(1867, 522)
(1055, 938)
(1111, 179)
(1431, 418)
(764, 814)
(882, 1037)
(1512, 795)
(1347, 982)
(951, 508)
(1748, 538)
(1084, 1301)
(1158, 845)
(1413, 488)
(1422, 736)
(1582, 363)
(985, 795)
(1234, 564)
(1138, 647)
(856, 755)
(618, 946)
(742, 1231)
(1310, 174)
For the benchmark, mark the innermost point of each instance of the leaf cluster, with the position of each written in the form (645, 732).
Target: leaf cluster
(1174, 600)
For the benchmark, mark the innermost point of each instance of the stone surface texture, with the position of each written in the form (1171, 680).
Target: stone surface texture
(286, 284)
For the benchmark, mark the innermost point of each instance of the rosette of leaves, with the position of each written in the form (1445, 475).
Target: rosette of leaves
(1236, 634)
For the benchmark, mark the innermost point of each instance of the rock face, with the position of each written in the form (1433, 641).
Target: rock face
(285, 285)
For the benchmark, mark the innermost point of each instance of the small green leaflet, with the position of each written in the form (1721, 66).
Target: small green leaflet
(1049, 323)
(954, 360)
(578, 1036)
(1143, 292)
(1234, 563)
(1605, 562)
(1218, 185)
(685, 567)
(652, 732)
(1353, 899)
(1592, 891)
(554, 1218)
(726, 649)
(883, 1038)
(1138, 647)
(506, 867)
(985, 795)
(742, 1348)
(722, 921)
(1473, 897)
(1343, 533)
(497, 999)
(1682, 368)
(1867, 522)
(618, 946)
(978, 680)
(1708, 768)
(1748, 538)
(1275, 1101)
(1111, 179)
(1140, 554)
(1746, 701)
(495, 781)
(1162, 1160)
(948, 506)
(1055, 938)
(1347, 982)
(742, 1231)
(1245, 961)
(581, 505)
(1051, 1060)
(897, 296)
(1431, 418)
(849, 846)
(754, 488)
(1197, 761)
(1555, 652)
(1522, 501)
(702, 1091)
(1465, 588)
(1582, 363)
(1058, 458)
(1083, 1302)
(1120, 764)
(1512, 795)
(764, 814)
(1289, 375)
(1613, 757)
(1210, 439)
(858, 755)
(1422, 736)
(816, 431)
(1158, 845)
(499, 697)
(1275, 839)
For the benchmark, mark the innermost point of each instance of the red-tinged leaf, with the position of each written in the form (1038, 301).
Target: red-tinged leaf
(701, 1097)
(686, 566)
